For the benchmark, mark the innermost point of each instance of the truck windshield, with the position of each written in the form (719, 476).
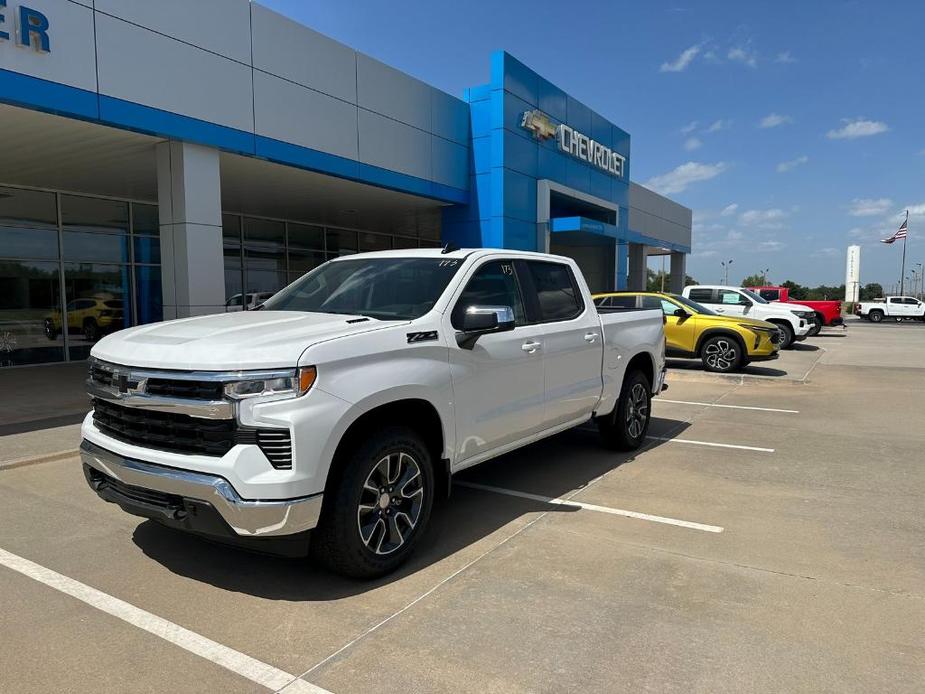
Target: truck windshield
(694, 306)
(382, 288)
(751, 295)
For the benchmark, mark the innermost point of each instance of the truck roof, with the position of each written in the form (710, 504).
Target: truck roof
(458, 253)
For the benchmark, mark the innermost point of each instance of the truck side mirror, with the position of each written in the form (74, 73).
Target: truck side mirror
(481, 320)
(744, 302)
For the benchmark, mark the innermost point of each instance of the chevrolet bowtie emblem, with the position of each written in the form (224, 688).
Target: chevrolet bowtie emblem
(539, 124)
(121, 382)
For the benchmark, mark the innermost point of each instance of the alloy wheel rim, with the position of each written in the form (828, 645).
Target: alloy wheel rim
(637, 410)
(720, 355)
(390, 503)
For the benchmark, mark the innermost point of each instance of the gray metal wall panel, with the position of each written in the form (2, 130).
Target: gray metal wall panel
(450, 117)
(292, 113)
(393, 145)
(221, 26)
(71, 60)
(450, 162)
(392, 93)
(657, 216)
(287, 49)
(151, 69)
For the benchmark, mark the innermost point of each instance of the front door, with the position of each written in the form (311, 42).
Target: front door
(732, 303)
(498, 384)
(680, 335)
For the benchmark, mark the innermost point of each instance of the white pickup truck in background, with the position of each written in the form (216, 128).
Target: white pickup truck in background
(794, 321)
(897, 308)
(347, 401)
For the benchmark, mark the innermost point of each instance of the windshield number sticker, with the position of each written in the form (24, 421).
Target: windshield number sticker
(449, 263)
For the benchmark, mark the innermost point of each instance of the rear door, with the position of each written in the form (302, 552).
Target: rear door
(498, 385)
(572, 340)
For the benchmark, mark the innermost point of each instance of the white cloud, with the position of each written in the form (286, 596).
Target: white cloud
(692, 143)
(689, 128)
(744, 55)
(765, 219)
(718, 125)
(704, 254)
(786, 166)
(785, 58)
(678, 179)
(857, 127)
(773, 120)
(828, 252)
(729, 210)
(869, 207)
(771, 246)
(682, 61)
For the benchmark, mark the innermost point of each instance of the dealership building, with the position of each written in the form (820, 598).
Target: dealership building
(162, 159)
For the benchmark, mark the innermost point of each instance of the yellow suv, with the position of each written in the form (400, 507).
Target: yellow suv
(692, 331)
(93, 316)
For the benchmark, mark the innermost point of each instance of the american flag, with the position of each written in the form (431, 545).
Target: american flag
(902, 233)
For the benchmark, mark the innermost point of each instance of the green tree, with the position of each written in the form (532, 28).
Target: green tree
(870, 291)
(753, 281)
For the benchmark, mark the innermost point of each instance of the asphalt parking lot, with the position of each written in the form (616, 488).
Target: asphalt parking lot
(768, 538)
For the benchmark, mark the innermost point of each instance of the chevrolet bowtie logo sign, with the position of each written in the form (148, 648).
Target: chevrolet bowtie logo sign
(539, 124)
(573, 142)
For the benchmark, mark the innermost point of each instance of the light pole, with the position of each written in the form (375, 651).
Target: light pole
(726, 265)
(764, 275)
(921, 281)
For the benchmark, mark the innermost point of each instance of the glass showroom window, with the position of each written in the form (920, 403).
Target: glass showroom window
(30, 278)
(146, 256)
(264, 255)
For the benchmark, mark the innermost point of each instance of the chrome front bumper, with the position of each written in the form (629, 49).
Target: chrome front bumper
(255, 519)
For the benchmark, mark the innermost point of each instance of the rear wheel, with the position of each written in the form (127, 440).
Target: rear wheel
(875, 316)
(721, 354)
(379, 507)
(625, 428)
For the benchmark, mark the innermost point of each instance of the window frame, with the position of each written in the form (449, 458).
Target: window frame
(531, 296)
(711, 299)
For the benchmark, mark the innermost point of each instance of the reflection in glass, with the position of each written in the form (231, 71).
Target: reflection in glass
(374, 242)
(264, 272)
(147, 249)
(264, 233)
(28, 243)
(341, 241)
(30, 321)
(231, 228)
(27, 208)
(94, 214)
(404, 242)
(99, 247)
(300, 263)
(97, 303)
(306, 236)
(148, 294)
(145, 219)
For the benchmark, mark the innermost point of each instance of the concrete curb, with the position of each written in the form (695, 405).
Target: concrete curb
(35, 460)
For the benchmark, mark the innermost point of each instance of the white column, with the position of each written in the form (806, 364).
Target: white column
(637, 268)
(190, 209)
(678, 272)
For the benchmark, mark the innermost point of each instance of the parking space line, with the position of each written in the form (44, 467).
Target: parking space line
(733, 407)
(250, 668)
(594, 507)
(712, 444)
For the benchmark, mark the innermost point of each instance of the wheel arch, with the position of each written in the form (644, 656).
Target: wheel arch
(641, 362)
(721, 332)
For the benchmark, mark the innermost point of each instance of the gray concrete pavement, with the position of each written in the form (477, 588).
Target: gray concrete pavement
(816, 582)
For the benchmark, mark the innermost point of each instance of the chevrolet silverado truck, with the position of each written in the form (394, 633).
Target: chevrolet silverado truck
(329, 419)
(794, 321)
(827, 312)
(898, 308)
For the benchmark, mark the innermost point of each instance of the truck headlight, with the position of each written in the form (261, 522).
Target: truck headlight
(272, 385)
(804, 314)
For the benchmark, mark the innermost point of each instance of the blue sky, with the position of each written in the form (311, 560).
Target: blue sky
(790, 128)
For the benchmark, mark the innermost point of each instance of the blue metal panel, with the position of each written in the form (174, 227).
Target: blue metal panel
(552, 100)
(519, 196)
(601, 130)
(481, 155)
(520, 154)
(450, 162)
(32, 92)
(515, 77)
(480, 117)
(579, 115)
(519, 234)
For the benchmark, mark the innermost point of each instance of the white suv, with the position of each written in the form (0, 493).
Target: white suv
(795, 321)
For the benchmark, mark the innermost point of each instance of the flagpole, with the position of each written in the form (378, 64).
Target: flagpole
(902, 271)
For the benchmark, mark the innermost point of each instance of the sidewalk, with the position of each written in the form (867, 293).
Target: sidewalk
(40, 412)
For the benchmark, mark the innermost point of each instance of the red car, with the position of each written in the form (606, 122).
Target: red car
(827, 312)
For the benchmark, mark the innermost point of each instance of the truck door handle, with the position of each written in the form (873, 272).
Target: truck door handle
(590, 337)
(530, 346)
(720, 310)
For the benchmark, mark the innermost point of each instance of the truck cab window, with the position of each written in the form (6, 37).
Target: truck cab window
(770, 294)
(729, 297)
(704, 296)
(493, 284)
(555, 290)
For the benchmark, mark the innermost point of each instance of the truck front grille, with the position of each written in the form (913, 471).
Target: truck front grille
(178, 388)
(180, 433)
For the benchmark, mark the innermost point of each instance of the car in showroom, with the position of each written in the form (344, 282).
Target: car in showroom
(723, 343)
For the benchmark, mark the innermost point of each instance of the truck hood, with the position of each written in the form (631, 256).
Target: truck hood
(230, 341)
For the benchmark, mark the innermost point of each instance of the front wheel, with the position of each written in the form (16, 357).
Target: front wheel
(625, 428)
(721, 354)
(379, 507)
(815, 330)
(786, 335)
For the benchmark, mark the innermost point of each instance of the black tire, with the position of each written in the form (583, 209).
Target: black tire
(816, 329)
(875, 316)
(359, 537)
(626, 427)
(91, 330)
(721, 354)
(49, 329)
(786, 335)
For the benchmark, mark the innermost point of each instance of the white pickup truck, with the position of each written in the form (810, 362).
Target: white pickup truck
(794, 321)
(348, 400)
(897, 308)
